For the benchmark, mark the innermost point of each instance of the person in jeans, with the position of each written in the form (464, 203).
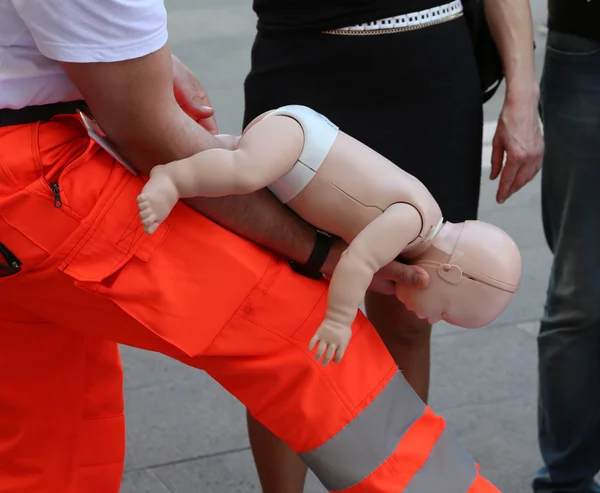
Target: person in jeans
(569, 337)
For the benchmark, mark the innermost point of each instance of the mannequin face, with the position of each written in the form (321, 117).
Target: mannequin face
(474, 269)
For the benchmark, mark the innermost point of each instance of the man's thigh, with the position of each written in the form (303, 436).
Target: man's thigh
(571, 171)
(61, 421)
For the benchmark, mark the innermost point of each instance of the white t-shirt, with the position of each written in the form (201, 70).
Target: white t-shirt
(36, 34)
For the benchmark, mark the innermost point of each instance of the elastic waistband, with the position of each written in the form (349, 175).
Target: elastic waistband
(32, 114)
(404, 22)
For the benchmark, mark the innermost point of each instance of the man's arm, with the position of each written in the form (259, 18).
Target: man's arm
(511, 27)
(518, 134)
(134, 104)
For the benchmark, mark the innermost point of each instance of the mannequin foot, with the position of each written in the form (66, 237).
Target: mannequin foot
(157, 199)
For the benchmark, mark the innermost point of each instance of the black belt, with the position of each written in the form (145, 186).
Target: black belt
(31, 114)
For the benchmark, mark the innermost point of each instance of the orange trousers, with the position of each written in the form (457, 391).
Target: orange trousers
(91, 278)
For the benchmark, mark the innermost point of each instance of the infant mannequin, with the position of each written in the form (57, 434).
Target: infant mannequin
(346, 189)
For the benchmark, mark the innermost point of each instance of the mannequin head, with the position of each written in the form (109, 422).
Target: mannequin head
(475, 269)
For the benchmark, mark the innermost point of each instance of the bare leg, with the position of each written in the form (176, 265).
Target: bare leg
(406, 337)
(374, 247)
(280, 470)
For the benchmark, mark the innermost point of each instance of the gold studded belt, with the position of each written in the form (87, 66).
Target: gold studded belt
(404, 22)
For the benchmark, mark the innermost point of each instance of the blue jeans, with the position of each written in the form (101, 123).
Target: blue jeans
(569, 337)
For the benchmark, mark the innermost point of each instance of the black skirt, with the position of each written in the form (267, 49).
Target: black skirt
(412, 96)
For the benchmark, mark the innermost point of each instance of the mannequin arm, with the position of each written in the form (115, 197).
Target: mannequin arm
(378, 244)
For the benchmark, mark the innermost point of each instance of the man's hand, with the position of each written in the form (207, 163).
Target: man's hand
(518, 146)
(385, 280)
(192, 97)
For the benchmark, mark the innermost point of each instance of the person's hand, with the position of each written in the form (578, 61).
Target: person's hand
(385, 279)
(519, 139)
(192, 97)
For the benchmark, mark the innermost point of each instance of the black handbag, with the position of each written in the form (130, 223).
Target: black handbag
(488, 59)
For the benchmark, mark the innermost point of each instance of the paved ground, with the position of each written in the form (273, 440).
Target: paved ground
(187, 435)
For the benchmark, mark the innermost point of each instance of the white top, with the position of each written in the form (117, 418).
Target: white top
(319, 136)
(36, 34)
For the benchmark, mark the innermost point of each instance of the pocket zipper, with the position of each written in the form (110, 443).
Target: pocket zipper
(56, 191)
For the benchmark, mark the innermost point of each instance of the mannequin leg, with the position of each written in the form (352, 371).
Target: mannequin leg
(406, 337)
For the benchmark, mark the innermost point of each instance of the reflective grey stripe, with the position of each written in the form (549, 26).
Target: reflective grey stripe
(449, 469)
(369, 439)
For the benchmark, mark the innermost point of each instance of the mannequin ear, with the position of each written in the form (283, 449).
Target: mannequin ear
(450, 273)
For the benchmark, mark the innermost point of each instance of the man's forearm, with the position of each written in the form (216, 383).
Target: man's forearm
(262, 219)
(511, 27)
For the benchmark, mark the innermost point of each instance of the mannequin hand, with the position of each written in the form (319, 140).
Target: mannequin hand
(385, 279)
(192, 97)
(519, 137)
(333, 339)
